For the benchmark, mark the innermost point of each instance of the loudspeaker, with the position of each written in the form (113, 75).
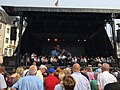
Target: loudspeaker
(13, 33)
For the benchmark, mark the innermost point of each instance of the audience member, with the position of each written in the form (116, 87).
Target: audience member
(90, 73)
(60, 86)
(51, 81)
(83, 71)
(93, 83)
(3, 84)
(30, 82)
(68, 83)
(67, 71)
(105, 77)
(112, 86)
(42, 69)
(99, 70)
(57, 71)
(82, 82)
(19, 72)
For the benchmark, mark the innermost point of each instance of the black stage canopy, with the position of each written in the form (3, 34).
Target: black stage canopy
(79, 30)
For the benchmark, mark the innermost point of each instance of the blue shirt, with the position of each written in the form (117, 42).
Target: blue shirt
(54, 53)
(28, 83)
(82, 82)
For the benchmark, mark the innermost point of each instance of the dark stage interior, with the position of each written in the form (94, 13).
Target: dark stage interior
(78, 30)
(78, 33)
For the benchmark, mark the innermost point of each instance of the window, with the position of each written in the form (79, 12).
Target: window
(0, 16)
(5, 51)
(0, 26)
(10, 52)
(6, 40)
(13, 50)
(8, 30)
(0, 37)
(10, 41)
(14, 42)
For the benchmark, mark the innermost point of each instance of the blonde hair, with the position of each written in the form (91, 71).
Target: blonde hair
(89, 69)
(20, 70)
(67, 71)
(61, 75)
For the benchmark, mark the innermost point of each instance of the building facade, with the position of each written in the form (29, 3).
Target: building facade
(7, 46)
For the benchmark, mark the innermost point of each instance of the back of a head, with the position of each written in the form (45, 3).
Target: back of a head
(76, 67)
(69, 83)
(89, 69)
(112, 86)
(67, 71)
(20, 71)
(105, 67)
(61, 75)
(13, 70)
(83, 68)
(32, 70)
(99, 65)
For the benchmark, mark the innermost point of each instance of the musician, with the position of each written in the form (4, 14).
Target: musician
(57, 51)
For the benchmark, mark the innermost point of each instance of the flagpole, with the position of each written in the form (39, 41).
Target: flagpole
(56, 3)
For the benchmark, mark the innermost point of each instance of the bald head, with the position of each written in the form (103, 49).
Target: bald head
(76, 67)
(32, 70)
(105, 67)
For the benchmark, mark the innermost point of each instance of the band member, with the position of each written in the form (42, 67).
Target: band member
(57, 51)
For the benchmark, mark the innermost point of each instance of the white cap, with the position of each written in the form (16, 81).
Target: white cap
(43, 66)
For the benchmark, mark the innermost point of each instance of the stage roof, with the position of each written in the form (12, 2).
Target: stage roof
(66, 23)
(16, 10)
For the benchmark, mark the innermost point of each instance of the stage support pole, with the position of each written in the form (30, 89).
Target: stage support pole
(19, 42)
(113, 34)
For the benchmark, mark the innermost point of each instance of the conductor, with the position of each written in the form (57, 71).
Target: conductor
(57, 51)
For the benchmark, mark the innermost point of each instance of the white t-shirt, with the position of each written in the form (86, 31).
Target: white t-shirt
(105, 78)
(2, 82)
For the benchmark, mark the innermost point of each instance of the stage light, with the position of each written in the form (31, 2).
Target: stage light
(56, 39)
(78, 40)
(48, 39)
(85, 40)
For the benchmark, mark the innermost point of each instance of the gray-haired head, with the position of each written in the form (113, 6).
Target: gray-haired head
(32, 70)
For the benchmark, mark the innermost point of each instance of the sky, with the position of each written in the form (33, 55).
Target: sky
(65, 3)
(107, 4)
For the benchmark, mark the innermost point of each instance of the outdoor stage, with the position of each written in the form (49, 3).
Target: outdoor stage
(79, 30)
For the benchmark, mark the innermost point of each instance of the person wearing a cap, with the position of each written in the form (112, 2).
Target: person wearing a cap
(42, 69)
(51, 81)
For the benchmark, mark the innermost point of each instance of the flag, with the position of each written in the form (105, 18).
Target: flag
(56, 2)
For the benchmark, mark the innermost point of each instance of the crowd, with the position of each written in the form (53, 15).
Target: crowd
(35, 73)
(68, 78)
